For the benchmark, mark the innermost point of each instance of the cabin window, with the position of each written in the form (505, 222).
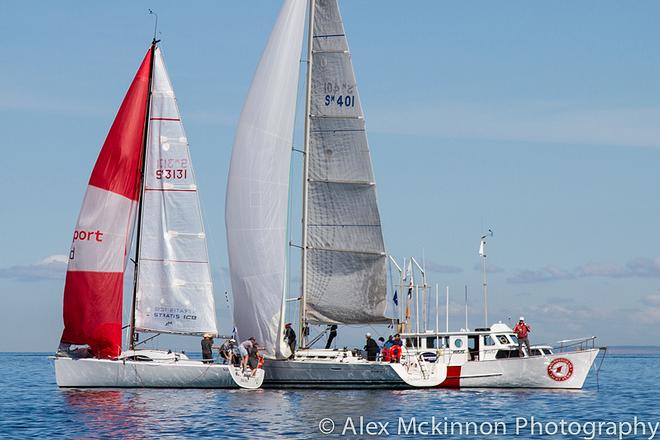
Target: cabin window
(505, 354)
(536, 352)
(503, 339)
(488, 340)
(430, 342)
(514, 338)
(412, 342)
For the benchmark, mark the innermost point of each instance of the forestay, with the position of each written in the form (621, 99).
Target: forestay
(257, 188)
(346, 272)
(175, 292)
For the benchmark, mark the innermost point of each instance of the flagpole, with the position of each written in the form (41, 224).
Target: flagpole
(437, 316)
(447, 312)
(466, 310)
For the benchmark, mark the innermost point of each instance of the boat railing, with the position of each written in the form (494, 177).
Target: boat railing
(578, 344)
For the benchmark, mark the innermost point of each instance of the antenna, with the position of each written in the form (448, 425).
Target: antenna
(482, 253)
(155, 24)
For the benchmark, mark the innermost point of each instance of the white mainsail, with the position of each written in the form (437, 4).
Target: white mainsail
(345, 279)
(258, 185)
(174, 290)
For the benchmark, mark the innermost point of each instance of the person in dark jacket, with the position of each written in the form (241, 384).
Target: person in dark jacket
(371, 348)
(207, 348)
(331, 336)
(290, 337)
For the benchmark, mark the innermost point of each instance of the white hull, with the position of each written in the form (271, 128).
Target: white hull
(339, 371)
(528, 372)
(103, 373)
(569, 370)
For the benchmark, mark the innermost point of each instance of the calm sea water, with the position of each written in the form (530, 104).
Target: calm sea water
(33, 407)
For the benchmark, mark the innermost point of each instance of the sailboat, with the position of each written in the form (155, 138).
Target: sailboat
(143, 180)
(344, 278)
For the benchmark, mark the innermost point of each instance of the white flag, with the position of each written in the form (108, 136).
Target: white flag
(482, 250)
(409, 275)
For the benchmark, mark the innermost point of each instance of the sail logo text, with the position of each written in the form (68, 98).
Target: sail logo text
(84, 235)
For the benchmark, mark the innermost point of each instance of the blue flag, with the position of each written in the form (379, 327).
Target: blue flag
(396, 298)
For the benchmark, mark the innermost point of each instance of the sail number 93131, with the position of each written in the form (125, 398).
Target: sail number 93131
(172, 169)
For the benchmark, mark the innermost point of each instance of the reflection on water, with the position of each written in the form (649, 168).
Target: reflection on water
(32, 406)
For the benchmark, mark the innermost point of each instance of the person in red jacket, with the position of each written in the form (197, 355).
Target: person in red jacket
(522, 331)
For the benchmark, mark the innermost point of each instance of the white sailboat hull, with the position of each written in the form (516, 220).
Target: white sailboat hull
(342, 372)
(104, 373)
(558, 371)
(528, 372)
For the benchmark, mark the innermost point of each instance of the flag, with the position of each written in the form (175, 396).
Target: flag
(396, 298)
(482, 250)
(409, 275)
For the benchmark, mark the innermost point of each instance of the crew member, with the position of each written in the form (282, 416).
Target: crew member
(371, 348)
(244, 350)
(331, 336)
(290, 337)
(522, 330)
(207, 348)
(397, 348)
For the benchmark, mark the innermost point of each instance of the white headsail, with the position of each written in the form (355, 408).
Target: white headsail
(175, 291)
(258, 185)
(346, 279)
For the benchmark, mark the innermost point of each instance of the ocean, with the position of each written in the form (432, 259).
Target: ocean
(623, 403)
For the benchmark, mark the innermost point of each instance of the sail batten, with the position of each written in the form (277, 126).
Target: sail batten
(174, 287)
(345, 270)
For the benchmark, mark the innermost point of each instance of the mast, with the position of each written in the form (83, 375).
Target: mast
(308, 108)
(140, 201)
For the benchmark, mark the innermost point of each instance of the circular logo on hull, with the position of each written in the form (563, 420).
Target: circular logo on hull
(560, 369)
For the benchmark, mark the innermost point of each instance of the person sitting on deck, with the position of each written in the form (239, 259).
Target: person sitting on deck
(381, 343)
(397, 347)
(290, 337)
(244, 351)
(522, 330)
(389, 342)
(371, 348)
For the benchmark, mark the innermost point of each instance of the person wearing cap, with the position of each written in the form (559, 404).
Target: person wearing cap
(244, 351)
(522, 330)
(227, 351)
(290, 337)
(371, 347)
(207, 348)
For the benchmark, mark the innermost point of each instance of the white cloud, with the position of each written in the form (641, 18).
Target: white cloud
(50, 268)
(525, 121)
(637, 267)
(432, 266)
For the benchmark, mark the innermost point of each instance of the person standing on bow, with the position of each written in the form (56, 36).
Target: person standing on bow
(290, 337)
(522, 330)
(244, 350)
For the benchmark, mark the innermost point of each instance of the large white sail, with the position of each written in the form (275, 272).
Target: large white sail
(258, 184)
(175, 291)
(345, 267)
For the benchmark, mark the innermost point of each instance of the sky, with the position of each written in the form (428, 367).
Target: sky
(538, 120)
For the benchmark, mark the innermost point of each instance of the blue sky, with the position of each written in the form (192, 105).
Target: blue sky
(540, 120)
